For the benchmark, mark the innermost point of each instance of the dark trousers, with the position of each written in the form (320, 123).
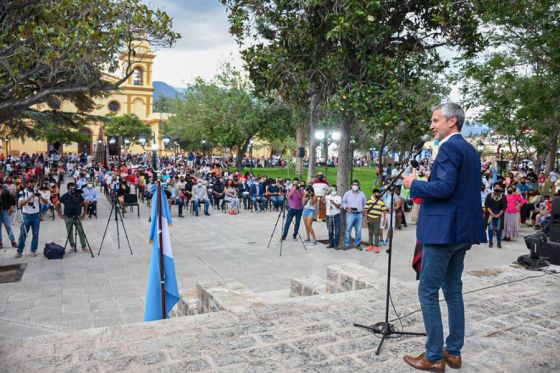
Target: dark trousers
(333, 225)
(292, 213)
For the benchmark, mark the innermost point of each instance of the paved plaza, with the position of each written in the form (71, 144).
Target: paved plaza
(46, 320)
(81, 292)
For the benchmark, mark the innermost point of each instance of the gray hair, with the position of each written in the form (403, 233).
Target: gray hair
(450, 110)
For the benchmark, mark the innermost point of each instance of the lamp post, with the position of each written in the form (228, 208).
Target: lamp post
(112, 141)
(352, 142)
(251, 154)
(480, 148)
(154, 149)
(327, 137)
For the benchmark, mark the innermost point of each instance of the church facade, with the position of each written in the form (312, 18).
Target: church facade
(135, 96)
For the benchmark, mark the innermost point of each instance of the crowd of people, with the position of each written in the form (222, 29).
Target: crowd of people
(32, 184)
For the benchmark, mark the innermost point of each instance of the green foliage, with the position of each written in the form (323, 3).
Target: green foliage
(128, 126)
(516, 81)
(54, 51)
(164, 104)
(224, 114)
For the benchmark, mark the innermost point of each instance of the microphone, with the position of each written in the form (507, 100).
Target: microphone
(416, 148)
(419, 146)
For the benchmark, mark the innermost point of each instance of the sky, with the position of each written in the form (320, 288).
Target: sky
(205, 43)
(204, 46)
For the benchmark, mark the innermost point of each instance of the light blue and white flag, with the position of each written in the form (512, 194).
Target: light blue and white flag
(153, 293)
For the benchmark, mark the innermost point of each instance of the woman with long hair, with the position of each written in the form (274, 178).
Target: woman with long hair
(309, 202)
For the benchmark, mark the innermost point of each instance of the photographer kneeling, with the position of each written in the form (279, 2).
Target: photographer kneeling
(74, 207)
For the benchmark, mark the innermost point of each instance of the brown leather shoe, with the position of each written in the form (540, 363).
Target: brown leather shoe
(452, 360)
(422, 363)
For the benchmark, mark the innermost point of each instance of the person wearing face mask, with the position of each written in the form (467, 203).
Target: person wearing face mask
(74, 207)
(90, 197)
(200, 195)
(495, 206)
(257, 196)
(375, 211)
(332, 206)
(511, 216)
(7, 206)
(353, 202)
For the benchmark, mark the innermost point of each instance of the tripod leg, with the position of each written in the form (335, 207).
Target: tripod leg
(125, 233)
(118, 213)
(81, 227)
(274, 230)
(283, 212)
(106, 227)
(301, 240)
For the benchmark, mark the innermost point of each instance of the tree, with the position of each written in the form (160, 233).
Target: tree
(515, 81)
(128, 126)
(54, 51)
(360, 56)
(164, 104)
(224, 113)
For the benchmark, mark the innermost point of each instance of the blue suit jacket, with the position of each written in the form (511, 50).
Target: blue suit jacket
(450, 212)
(253, 192)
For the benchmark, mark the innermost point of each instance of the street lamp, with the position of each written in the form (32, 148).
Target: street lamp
(142, 141)
(166, 141)
(480, 148)
(154, 149)
(327, 136)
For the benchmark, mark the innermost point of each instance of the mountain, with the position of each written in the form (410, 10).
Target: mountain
(164, 89)
(474, 129)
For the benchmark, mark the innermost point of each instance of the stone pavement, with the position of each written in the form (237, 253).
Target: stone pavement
(81, 292)
(511, 327)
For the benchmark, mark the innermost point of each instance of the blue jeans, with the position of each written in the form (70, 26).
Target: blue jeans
(353, 220)
(277, 201)
(29, 221)
(262, 203)
(197, 204)
(495, 225)
(292, 213)
(442, 266)
(333, 225)
(7, 222)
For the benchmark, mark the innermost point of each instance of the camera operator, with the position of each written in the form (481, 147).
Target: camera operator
(74, 207)
(7, 205)
(29, 201)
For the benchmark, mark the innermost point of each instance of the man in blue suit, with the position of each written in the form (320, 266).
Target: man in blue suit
(449, 223)
(256, 195)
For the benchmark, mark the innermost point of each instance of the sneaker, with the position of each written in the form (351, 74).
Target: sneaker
(1, 246)
(307, 240)
(283, 238)
(14, 244)
(85, 249)
(295, 238)
(499, 246)
(207, 214)
(330, 246)
(490, 244)
(359, 247)
(314, 242)
(34, 253)
(18, 255)
(369, 248)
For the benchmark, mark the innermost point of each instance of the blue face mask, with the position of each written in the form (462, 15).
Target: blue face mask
(436, 142)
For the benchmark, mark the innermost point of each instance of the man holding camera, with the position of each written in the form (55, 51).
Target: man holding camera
(75, 208)
(29, 201)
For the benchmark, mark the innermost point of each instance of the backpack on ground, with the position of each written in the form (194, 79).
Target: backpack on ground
(54, 251)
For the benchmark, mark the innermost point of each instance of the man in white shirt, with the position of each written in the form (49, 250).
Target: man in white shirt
(333, 201)
(29, 202)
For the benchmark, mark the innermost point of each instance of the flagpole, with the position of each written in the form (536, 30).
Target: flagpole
(160, 244)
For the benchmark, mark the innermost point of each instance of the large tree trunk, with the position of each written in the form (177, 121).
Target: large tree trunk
(313, 121)
(553, 148)
(300, 141)
(241, 150)
(344, 166)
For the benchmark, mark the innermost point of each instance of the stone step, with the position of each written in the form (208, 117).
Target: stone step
(352, 276)
(307, 285)
(189, 304)
(228, 295)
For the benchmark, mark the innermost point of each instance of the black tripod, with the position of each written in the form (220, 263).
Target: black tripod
(77, 224)
(118, 219)
(282, 214)
(385, 328)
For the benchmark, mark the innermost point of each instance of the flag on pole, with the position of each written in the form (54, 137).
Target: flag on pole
(153, 306)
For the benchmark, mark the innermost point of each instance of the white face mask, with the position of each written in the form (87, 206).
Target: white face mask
(355, 188)
(90, 185)
(333, 193)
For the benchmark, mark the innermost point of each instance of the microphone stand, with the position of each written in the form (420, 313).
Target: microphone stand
(385, 328)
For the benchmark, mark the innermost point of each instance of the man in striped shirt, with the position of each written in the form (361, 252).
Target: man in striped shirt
(375, 209)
